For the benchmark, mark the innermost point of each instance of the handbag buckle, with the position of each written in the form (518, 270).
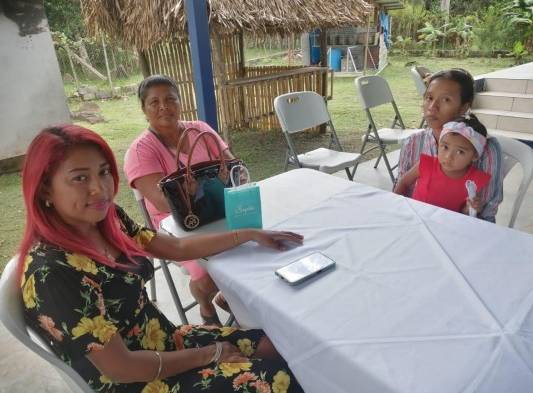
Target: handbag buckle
(191, 221)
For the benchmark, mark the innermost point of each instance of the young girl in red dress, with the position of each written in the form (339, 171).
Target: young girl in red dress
(441, 180)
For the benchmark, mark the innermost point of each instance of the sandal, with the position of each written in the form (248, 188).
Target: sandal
(221, 302)
(211, 320)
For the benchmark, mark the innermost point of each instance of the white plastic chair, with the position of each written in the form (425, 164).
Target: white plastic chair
(300, 111)
(12, 316)
(374, 91)
(417, 73)
(163, 265)
(515, 151)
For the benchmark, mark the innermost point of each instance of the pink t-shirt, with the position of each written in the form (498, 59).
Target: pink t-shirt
(148, 155)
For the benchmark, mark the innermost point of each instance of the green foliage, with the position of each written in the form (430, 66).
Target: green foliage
(520, 12)
(493, 31)
(65, 16)
(471, 6)
(403, 44)
(461, 34)
(407, 21)
(430, 35)
(519, 52)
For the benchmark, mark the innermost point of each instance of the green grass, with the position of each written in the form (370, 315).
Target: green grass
(263, 151)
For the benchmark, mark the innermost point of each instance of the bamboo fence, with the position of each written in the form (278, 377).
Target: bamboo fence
(245, 95)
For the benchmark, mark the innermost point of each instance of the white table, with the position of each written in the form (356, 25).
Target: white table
(421, 299)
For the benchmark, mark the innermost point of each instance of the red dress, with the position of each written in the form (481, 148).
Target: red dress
(434, 187)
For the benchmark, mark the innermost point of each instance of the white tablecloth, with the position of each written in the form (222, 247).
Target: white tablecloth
(421, 299)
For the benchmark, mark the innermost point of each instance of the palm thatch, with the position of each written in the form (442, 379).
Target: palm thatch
(143, 23)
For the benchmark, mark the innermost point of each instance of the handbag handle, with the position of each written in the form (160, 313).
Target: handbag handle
(181, 142)
(233, 178)
(188, 173)
(202, 136)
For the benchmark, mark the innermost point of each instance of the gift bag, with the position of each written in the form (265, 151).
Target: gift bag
(242, 202)
(195, 192)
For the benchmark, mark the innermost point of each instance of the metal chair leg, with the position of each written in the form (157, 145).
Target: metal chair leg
(153, 294)
(174, 293)
(377, 161)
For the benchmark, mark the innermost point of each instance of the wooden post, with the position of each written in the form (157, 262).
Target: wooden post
(74, 74)
(198, 29)
(114, 61)
(242, 74)
(324, 63)
(366, 44)
(107, 66)
(220, 77)
(143, 62)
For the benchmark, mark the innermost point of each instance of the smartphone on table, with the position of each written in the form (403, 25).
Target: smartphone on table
(305, 268)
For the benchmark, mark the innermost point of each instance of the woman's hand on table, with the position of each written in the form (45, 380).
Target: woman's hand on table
(277, 239)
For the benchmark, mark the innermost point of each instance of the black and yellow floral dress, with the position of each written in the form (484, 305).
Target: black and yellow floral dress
(77, 305)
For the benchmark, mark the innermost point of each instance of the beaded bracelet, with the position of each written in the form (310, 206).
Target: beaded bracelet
(217, 354)
(160, 365)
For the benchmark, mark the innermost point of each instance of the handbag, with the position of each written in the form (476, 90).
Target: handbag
(195, 192)
(242, 203)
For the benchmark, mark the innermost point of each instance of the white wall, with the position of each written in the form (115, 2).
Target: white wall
(31, 88)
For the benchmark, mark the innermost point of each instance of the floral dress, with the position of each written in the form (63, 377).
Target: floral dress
(77, 304)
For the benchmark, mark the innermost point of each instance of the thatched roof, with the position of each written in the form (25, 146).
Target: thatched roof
(142, 23)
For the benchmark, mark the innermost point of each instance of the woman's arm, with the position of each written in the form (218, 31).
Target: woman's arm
(183, 249)
(121, 365)
(407, 180)
(147, 185)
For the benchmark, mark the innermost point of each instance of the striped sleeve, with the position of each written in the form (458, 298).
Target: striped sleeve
(492, 195)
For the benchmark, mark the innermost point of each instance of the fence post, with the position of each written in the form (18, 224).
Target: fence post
(143, 62)
(107, 67)
(72, 66)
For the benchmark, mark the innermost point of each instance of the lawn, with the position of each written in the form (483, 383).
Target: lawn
(263, 151)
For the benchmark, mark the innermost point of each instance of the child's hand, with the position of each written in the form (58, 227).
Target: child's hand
(474, 203)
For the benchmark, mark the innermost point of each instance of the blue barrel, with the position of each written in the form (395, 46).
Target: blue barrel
(314, 44)
(315, 55)
(334, 59)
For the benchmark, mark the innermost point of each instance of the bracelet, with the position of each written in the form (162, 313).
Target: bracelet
(236, 237)
(217, 354)
(160, 365)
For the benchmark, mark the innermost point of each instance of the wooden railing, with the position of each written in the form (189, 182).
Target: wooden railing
(249, 102)
(245, 96)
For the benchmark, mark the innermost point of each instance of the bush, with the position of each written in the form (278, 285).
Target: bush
(493, 31)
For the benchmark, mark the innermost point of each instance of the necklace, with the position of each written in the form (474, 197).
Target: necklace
(107, 254)
(172, 150)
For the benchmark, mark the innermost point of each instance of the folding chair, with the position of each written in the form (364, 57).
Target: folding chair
(12, 316)
(163, 265)
(418, 73)
(374, 91)
(515, 151)
(301, 111)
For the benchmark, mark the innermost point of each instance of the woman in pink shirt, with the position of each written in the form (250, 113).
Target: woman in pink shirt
(153, 155)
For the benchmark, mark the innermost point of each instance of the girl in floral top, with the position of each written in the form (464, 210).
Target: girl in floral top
(83, 274)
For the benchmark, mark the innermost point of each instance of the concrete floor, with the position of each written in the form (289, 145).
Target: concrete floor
(22, 371)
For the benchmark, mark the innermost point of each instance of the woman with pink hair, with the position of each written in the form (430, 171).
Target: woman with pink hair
(83, 269)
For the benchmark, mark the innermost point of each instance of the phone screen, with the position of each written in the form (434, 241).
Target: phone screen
(305, 267)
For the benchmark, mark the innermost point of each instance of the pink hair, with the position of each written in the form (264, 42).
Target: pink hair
(45, 153)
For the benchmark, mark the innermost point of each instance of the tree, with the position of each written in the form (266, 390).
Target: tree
(65, 16)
